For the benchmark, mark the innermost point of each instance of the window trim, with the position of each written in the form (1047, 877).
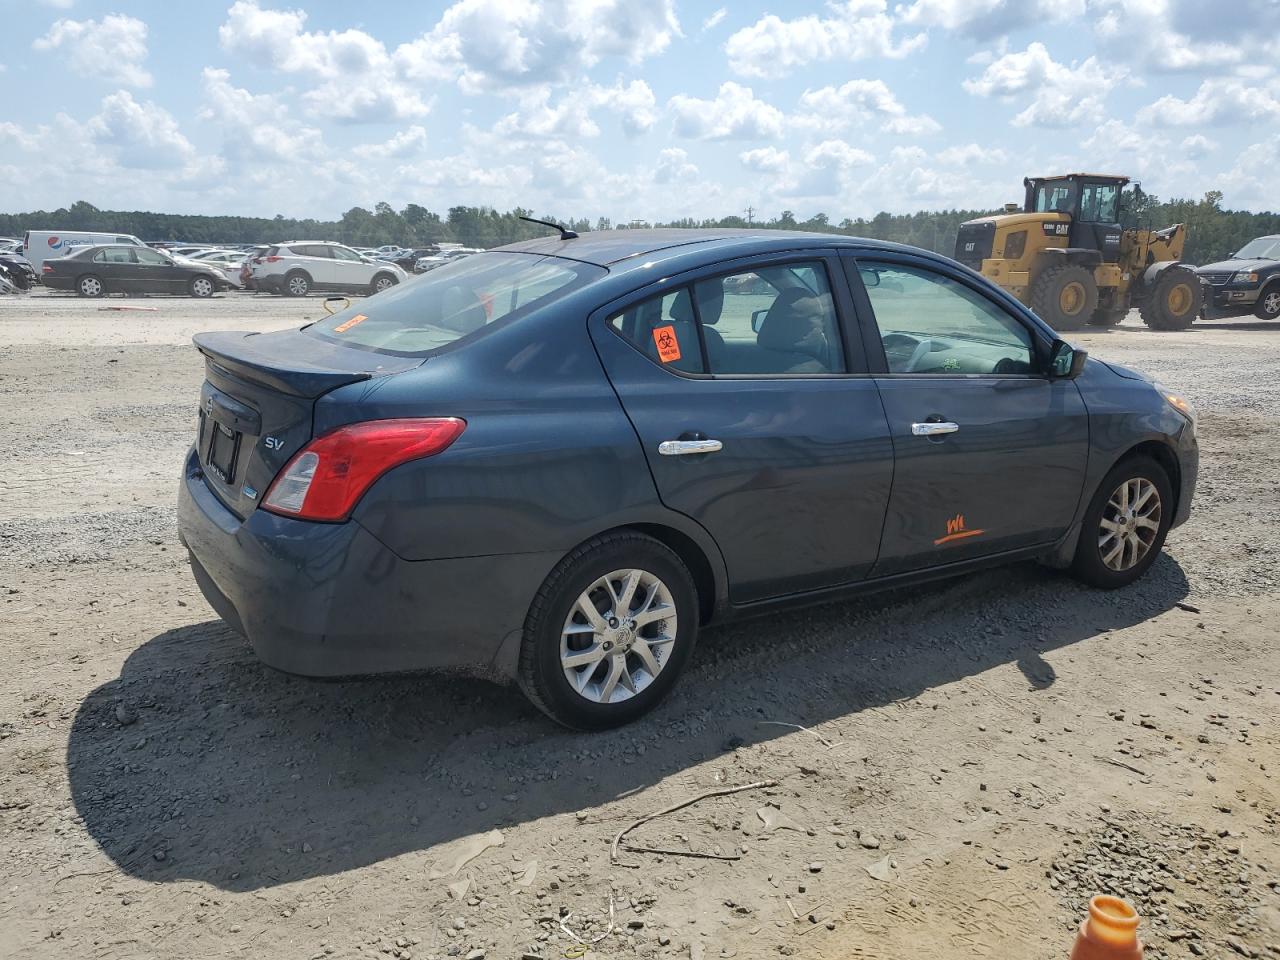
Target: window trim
(857, 364)
(873, 344)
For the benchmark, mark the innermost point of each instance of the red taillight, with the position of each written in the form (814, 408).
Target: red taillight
(269, 260)
(45, 268)
(327, 477)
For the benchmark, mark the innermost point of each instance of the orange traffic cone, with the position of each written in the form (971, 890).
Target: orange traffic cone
(1110, 932)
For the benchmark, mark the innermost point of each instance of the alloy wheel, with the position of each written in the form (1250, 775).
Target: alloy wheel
(298, 286)
(201, 287)
(1130, 523)
(1271, 303)
(91, 286)
(618, 636)
(384, 283)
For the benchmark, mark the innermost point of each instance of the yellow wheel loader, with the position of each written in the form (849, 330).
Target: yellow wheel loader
(1066, 256)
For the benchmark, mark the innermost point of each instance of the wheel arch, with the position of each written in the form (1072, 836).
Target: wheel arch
(693, 556)
(1162, 453)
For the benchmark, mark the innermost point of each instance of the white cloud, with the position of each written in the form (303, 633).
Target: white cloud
(1167, 36)
(673, 165)
(356, 78)
(112, 50)
(1060, 95)
(409, 142)
(1219, 100)
(765, 159)
(970, 154)
(1114, 138)
(256, 128)
(500, 44)
(1251, 180)
(570, 116)
(714, 20)
(854, 30)
(144, 136)
(858, 102)
(735, 114)
(985, 18)
(1197, 145)
(60, 4)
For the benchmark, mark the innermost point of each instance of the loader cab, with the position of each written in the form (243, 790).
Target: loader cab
(1092, 201)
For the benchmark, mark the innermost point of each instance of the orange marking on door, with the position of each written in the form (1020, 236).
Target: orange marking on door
(956, 531)
(664, 339)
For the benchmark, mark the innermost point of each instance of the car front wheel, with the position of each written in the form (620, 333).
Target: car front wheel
(609, 632)
(1125, 525)
(201, 287)
(383, 281)
(1269, 303)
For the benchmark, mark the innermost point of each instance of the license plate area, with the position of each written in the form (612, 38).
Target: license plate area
(220, 448)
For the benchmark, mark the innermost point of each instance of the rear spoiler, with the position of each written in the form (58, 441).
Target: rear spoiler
(297, 369)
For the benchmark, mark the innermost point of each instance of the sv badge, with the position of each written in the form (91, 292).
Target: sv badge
(272, 443)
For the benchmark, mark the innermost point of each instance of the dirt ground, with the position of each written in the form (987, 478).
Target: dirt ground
(978, 756)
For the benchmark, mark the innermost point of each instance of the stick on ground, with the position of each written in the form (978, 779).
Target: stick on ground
(613, 852)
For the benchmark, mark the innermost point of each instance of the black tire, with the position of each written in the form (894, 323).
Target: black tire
(297, 283)
(1088, 564)
(202, 287)
(1174, 301)
(1065, 296)
(90, 285)
(1108, 317)
(381, 282)
(542, 676)
(1268, 306)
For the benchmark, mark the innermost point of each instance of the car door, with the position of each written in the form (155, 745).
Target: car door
(315, 259)
(757, 417)
(156, 273)
(352, 273)
(990, 451)
(118, 270)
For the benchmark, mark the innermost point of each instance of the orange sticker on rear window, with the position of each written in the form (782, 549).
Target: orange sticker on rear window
(668, 345)
(348, 324)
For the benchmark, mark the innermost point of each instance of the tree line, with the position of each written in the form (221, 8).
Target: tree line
(1212, 231)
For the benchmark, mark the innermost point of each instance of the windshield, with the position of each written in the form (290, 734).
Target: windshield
(454, 300)
(1264, 248)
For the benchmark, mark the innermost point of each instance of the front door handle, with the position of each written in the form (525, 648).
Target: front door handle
(933, 429)
(681, 448)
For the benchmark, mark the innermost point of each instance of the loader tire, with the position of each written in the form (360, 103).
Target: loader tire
(1174, 301)
(1065, 297)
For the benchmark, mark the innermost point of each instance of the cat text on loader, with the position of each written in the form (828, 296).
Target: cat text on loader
(1066, 256)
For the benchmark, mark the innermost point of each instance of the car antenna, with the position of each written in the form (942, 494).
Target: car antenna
(565, 232)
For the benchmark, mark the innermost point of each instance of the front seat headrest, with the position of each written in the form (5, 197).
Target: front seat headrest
(794, 324)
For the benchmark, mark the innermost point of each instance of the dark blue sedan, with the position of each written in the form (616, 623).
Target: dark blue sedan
(556, 461)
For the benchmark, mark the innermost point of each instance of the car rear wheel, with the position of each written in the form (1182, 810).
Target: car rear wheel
(1268, 307)
(609, 632)
(383, 281)
(200, 287)
(1125, 525)
(297, 284)
(89, 286)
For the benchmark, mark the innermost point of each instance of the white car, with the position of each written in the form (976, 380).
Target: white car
(298, 267)
(227, 262)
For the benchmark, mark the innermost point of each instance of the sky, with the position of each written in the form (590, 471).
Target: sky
(647, 110)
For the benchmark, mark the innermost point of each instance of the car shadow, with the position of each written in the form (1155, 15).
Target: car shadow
(198, 763)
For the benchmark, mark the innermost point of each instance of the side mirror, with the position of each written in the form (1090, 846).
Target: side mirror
(870, 276)
(757, 320)
(1065, 361)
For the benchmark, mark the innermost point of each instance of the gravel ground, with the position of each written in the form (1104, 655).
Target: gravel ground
(957, 768)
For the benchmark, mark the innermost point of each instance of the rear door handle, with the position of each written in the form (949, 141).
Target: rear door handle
(933, 429)
(682, 448)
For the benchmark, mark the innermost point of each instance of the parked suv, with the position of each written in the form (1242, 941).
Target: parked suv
(301, 266)
(1247, 282)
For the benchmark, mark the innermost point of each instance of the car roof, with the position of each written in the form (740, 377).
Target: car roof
(608, 247)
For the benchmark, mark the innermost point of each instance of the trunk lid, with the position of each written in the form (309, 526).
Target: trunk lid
(258, 400)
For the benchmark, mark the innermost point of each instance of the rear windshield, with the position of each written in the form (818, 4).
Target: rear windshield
(454, 300)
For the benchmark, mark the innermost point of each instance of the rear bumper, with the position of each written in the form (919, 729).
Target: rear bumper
(329, 600)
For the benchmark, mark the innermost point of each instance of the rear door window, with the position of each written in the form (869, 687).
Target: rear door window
(778, 319)
(113, 255)
(664, 329)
